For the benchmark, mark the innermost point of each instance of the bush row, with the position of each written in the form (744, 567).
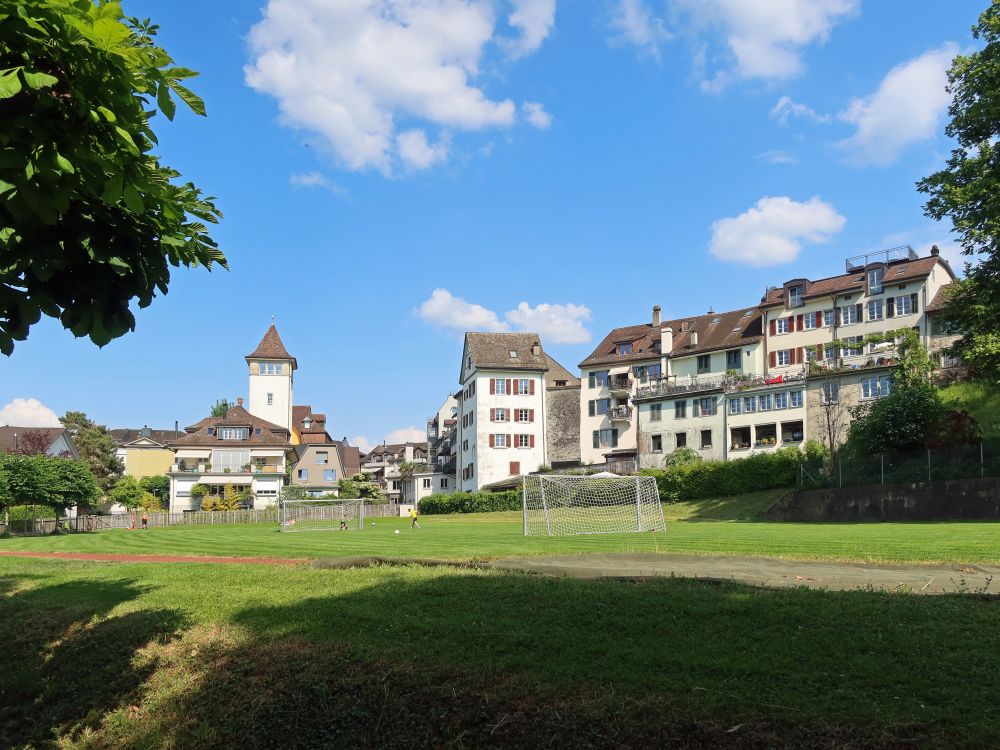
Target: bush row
(701, 479)
(471, 502)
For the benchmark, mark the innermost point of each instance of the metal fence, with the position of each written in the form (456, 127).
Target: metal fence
(925, 465)
(45, 523)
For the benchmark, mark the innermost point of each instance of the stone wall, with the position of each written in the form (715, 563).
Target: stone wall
(562, 428)
(958, 499)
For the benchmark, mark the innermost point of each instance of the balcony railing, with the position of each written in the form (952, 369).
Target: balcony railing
(620, 413)
(902, 252)
(665, 387)
(854, 362)
(210, 469)
(620, 383)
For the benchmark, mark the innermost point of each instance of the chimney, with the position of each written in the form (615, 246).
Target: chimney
(656, 316)
(666, 349)
(239, 402)
(693, 339)
(935, 251)
(536, 349)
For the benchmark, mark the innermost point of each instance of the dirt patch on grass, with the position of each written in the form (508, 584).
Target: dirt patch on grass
(108, 557)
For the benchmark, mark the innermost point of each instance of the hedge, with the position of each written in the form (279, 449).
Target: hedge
(701, 479)
(471, 502)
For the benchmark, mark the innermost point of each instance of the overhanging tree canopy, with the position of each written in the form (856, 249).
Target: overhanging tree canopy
(89, 218)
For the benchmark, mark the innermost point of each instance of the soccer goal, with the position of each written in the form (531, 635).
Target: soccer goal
(556, 504)
(321, 515)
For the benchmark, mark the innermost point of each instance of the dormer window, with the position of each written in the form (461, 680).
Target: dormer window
(512, 353)
(795, 296)
(875, 276)
(623, 348)
(234, 433)
(306, 423)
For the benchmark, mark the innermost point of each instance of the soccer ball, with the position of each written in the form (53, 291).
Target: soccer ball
(397, 531)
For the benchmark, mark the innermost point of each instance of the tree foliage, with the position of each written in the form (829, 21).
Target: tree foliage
(157, 485)
(96, 447)
(54, 481)
(966, 191)
(89, 218)
(680, 456)
(32, 443)
(127, 492)
(221, 407)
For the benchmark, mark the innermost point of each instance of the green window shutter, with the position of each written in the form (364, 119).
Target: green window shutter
(597, 439)
(591, 406)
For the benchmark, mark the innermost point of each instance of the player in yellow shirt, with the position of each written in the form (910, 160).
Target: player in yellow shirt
(413, 518)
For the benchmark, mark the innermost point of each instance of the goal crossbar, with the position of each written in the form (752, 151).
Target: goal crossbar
(321, 514)
(558, 504)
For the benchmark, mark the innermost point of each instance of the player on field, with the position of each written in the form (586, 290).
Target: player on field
(413, 518)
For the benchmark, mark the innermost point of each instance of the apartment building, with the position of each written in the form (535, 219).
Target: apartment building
(382, 465)
(441, 433)
(143, 451)
(640, 376)
(504, 424)
(319, 461)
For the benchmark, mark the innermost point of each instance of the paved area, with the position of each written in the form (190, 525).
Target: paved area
(771, 572)
(99, 557)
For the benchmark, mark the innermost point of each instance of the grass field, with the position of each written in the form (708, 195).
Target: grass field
(703, 527)
(117, 655)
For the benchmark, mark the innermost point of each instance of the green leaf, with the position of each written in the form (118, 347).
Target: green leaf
(108, 34)
(113, 189)
(107, 114)
(64, 164)
(10, 83)
(178, 73)
(189, 98)
(127, 140)
(167, 106)
(39, 80)
(133, 199)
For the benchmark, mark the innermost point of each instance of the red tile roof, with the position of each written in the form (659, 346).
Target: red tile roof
(271, 347)
(269, 434)
(941, 298)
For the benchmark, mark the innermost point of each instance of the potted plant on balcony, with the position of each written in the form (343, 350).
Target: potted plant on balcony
(246, 467)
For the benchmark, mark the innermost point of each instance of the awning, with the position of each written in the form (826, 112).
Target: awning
(194, 453)
(264, 453)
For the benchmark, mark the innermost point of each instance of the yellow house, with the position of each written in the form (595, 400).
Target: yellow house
(144, 452)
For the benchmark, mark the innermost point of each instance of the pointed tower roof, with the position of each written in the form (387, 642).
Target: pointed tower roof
(272, 347)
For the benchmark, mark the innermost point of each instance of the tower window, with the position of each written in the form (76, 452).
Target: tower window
(270, 399)
(269, 368)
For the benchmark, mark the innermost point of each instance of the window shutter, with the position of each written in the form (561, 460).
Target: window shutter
(531, 441)
(773, 357)
(774, 328)
(493, 386)
(800, 357)
(798, 323)
(859, 310)
(597, 439)
(591, 408)
(697, 408)
(531, 415)
(508, 441)
(914, 303)
(517, 415)
(509, 391)
(819, 353)
(614, 438)
(493, 415)
(531, 387)
(890, 307)
(819, 319)
(492, 440)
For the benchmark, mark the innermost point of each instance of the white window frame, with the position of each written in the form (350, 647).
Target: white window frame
(523, 440)
(809, 321)
(849, 315)
(794, 399)
(500, 389)
(523, 386)
(781, 400)
(736, 405)
(795, 294)
(764, 401)
(869, 388)
(324, 455)
(876, 309)
(749, 404)
(898, 306)
(500, 415)
(500, 440)
(830, 393)
(876, 277)
(783, 358)
(829, 318)
(782, 326)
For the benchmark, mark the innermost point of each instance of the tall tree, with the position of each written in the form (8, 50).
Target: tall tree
(89, 218)
(220, 407)
(96, 447)
(967, 191)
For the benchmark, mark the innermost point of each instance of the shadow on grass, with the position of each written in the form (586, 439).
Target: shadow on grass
(64, 661)
(486, 660)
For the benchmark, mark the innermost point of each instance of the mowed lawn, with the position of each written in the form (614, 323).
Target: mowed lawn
(725, 526)
(101, 655)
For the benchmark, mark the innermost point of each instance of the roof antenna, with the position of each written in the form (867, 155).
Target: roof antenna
(272, 319)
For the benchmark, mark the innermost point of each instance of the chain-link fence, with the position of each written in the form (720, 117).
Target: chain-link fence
(925, 465)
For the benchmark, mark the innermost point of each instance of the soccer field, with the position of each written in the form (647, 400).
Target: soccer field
(710, 527)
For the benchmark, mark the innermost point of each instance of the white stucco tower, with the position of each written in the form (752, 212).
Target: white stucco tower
(271, 374)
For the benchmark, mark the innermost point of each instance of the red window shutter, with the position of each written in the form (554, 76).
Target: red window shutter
(819, 319)
(492, 440)
(774, 327)
(773, 358)
(531, 441)
(493, 415)
(509, 391)
(531, 415)
(819, 353)
(507, 414)
(531, 387)
(493, 386)
(800, 357)
(509, 443)
(798, 323)
(517, 415)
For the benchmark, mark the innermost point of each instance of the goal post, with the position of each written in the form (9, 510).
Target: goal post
(321, 514)
(558, 504)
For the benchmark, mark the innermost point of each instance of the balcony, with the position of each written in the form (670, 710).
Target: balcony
(664, 387)
(620, 384)
(886, 358)
(210, 469)
(893, 254)
(620, 413)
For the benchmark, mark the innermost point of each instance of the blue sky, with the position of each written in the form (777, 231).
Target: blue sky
(543, 165)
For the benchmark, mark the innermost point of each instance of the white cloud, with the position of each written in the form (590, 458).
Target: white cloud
(352, 70)
(765, 38)
(774, 230)
(633, 23)
(28, 412)
(777, 157)
(534, 19)
(556, 324)
(362, 443)
(535, 114)
(316, 180)
(417, 153)
(905, 109)
(447, 311)
(406, 435)
(785, 109)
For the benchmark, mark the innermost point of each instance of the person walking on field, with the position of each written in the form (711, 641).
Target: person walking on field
(413, 518)
(145, 520)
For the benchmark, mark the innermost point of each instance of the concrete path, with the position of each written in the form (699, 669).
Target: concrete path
(770, 572)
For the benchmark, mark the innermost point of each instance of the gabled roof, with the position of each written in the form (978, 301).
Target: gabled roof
(262, 432)
(10, 437)
(896, 272)
(723, 330)
(126, 435)
(941, 298)
(558, 372)
(491, 351)
(272, 347)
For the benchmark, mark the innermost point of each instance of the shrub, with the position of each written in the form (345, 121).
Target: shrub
(700, 479)
(471, 502)
(681, 456)
(29, 512)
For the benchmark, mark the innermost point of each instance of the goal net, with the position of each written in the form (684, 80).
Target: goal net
(556, 504)
(321, 515)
